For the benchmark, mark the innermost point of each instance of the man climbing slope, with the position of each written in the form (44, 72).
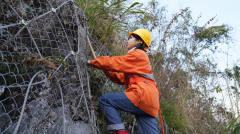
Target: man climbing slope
(134, 71)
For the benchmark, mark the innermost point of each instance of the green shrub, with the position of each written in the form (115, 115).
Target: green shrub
(173, 117)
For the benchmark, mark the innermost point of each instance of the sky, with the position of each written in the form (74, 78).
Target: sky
(228, 12)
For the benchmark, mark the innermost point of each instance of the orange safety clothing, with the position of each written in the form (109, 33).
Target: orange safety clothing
(142, 92)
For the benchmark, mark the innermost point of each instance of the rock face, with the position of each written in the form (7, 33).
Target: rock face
(43, 35)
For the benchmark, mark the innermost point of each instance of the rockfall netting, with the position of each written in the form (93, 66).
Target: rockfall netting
(44, 82)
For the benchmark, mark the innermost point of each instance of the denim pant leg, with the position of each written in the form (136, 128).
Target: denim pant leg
(110, 103)
(146, 124)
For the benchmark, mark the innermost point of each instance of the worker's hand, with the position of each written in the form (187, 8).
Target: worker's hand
(88, 62)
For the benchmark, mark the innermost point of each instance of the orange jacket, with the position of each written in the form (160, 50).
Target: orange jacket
(142, 94)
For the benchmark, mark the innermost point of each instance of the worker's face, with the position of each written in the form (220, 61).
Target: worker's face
(132, 42)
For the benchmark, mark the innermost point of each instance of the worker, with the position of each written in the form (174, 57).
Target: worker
(134, 71)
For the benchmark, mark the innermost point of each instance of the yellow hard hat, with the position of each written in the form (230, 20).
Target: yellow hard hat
(145, 36)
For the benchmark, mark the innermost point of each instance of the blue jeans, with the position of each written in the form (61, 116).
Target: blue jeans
(110, 103)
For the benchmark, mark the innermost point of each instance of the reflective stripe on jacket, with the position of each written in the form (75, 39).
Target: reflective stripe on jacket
(142, 94)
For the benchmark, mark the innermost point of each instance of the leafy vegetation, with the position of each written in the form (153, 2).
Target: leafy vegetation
(173, 116)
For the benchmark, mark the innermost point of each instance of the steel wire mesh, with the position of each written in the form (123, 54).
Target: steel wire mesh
(57, 101)
(35, 34)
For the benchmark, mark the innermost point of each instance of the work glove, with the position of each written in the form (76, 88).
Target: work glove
(88, 62)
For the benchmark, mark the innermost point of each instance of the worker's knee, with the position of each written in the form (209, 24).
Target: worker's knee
(102, 100)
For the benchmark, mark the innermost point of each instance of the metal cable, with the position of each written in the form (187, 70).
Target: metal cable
(24, 103)
(61, 24)
(7, 26)
(48, 30)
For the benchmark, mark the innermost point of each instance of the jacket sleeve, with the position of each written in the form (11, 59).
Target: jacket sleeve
(115, 77)
(132, 62)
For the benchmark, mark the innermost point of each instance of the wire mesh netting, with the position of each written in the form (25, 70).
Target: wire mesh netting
(44, 83)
